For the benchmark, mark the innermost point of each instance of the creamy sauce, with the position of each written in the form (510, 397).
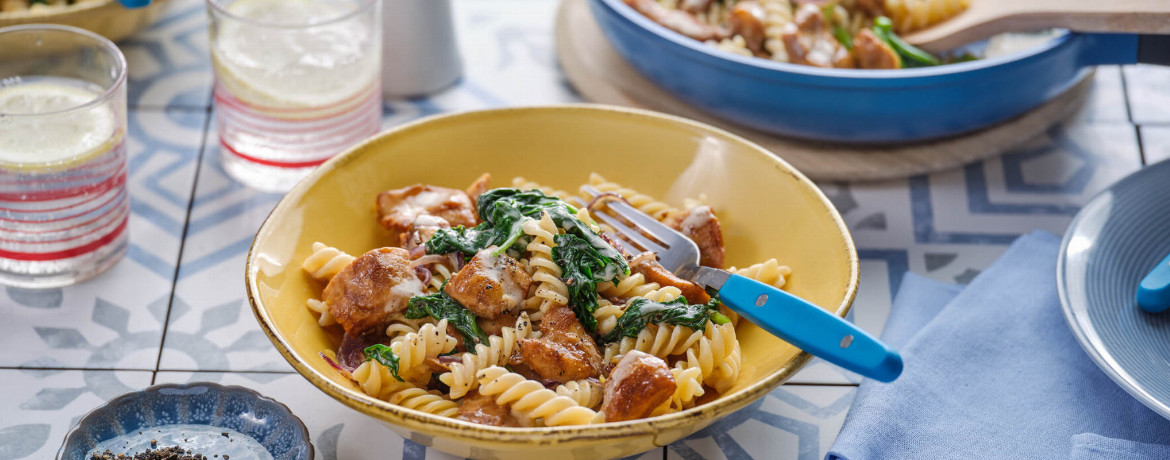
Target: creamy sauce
(200, 439)
(697, 218)
(405, 289)
(1005, 44)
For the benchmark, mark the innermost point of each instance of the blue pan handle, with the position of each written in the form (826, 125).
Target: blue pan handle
(811, 328)
(134, 3)
(1105, 49)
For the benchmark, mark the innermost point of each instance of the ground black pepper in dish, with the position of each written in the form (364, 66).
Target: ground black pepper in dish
(166, 453)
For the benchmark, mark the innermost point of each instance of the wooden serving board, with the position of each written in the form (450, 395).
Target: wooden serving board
(601, 75)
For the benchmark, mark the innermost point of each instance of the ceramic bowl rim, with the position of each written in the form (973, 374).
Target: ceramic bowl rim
(74, 430)
(419, 421)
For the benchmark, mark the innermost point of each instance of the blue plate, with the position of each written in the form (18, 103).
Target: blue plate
(1113, 242)
(263, 419)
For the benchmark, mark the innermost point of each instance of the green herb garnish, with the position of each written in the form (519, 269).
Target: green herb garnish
(911, 55)
(441, 306)
(384, 356)
(643, 311)
(582, 267)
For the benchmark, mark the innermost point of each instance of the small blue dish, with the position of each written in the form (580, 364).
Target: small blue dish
(1111, 245)
(263, 419)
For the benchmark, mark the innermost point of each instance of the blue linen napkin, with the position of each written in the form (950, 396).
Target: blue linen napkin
(994, 372)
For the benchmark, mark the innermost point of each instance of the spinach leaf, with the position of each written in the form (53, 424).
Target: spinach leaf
(911, 55)
(384, 356)
(503, 211)
(582, 267)
(643, 311)
(441, 306)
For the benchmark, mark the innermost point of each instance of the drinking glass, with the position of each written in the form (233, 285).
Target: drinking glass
(64, 206)
(296, 82)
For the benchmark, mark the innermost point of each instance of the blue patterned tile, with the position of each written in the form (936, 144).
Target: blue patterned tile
(1155, 143)
(169, 65)
(115, 320)
(795, 422)
(39, 406)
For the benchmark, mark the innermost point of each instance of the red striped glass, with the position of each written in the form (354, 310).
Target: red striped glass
(64, 205)
(296, 83)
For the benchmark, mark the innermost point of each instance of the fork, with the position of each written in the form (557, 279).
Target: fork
(791, 318)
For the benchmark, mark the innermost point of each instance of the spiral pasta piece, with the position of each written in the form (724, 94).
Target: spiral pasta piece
(402, 326)
(546, 275)
(777, 14)
(607, 314)
(587, 392)
(377, 381)
(727, 373)
(660, 340)
(531, 399)
(414, 348)
(911, 15)
(439, 275)
(525, 184)
(712, 351)
(324, 318)
(325, 261)
(632, 285)
(461, 376)
(642, 202)
(688, 387)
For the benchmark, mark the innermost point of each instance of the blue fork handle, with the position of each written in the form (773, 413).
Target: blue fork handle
(811, 328)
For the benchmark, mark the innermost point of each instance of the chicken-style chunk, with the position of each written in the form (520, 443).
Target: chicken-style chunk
(372, 288)
(398, 209)
(490, 285)
(700, 224)
(421, 230)
(871, 52)
(638, 384)
(747, 21)
(678, 20)
(483, 409)
(654, 272)
(478, 187)
(564, 352)
(495, 326)
(809, 41)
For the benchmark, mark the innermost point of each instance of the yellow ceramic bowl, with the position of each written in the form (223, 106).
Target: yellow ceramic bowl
(767, 210)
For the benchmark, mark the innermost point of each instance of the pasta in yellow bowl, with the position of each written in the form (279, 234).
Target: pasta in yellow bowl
(444, 363)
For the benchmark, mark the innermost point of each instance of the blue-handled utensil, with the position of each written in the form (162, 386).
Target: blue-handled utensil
(797, 321)
(1153, 294)
(134, 3)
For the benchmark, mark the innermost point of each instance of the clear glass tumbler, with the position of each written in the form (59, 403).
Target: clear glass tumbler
(64, 206)
(296, 82)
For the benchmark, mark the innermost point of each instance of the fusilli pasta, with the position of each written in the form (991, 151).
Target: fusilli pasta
(525, 184)
(461, 376)
(587, 393)
(414, 348)
(531, 399)
(645, 203)
(325, 261)
(377, 381)
(546, 275)
(324, 318)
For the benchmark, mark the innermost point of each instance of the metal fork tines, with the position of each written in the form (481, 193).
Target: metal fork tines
(675, 251)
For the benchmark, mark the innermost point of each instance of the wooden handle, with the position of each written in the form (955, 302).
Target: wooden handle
(985, 18)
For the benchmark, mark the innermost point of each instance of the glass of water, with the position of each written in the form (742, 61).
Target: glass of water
(64, 206)
(296, 82)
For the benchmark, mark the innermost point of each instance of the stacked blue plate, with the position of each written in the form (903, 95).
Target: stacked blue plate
(1112, 244)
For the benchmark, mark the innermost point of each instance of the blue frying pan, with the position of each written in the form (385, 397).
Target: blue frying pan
(863, 106)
